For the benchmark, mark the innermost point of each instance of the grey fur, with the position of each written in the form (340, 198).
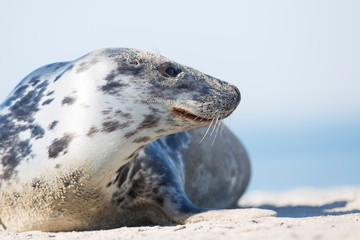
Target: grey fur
(103, 141)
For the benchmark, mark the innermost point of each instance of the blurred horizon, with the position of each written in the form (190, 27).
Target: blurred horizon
(296, 63)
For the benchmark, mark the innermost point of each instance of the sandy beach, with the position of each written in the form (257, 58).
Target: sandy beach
(332, 213)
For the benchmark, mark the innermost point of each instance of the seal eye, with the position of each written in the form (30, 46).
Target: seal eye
(170, 71)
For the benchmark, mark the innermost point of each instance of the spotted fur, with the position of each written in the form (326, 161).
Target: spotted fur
(79, 146)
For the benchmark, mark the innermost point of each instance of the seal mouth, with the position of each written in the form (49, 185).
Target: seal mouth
(182, 113)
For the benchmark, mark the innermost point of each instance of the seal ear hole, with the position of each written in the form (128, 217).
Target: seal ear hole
(135, 62)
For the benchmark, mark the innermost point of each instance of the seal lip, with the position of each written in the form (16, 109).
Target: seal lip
(185, 114)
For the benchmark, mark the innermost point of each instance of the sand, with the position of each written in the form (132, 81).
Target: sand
(297, 214)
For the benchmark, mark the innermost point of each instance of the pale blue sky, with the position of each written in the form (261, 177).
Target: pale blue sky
(296, 63)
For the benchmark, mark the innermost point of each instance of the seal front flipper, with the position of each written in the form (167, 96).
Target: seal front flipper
(176, 177)
(150, 187)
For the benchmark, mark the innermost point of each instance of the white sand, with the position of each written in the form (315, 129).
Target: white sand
(302, 214)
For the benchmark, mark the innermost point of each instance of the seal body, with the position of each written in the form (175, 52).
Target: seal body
(104, 141)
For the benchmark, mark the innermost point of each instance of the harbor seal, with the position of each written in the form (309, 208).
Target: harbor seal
(112, 139)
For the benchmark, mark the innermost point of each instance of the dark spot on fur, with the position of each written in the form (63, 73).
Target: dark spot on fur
(20, 110)
(123, 115)
(27, 105)
(82, 67)
(141, 139)
(114, 84)
(86, 65)
(50, 93)
(161, 131)
(42, 85)
(125, 124)
(119, 200)
(12, 148)
(154, 110)
(53, 125)
(61, 74)
(17, 95)
(13, 157)
(115, 198)
(132, 193)
(135, 168)
(155, 190)
(115, 195)
(110, 126)
(159, 200)
(136, 165)
(59, 145)
(122, 175)
(106, 111)
(108, 184)
(137, 188)
(37, 131)
(92, 131)
(57, 166)
(58, 65)
(131, 156)
(68, 100)
(141, 147)
(127, 116)
(48, 101)
(130, 134)
(34, 80)
(112, 88)
(129, 69)
(22, 106)
(149, 121)
(111, 76)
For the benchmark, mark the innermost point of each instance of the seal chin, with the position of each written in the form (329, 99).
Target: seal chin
(185, 114)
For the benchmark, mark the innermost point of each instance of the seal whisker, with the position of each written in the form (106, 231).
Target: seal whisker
(223, 128)
(208, 128)
(197, 118)
(214, 127)
(216, 117)
(216, 132)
